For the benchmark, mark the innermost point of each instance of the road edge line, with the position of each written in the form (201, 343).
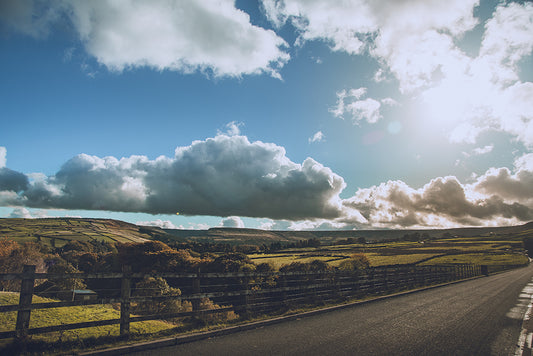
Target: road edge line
(526, 334)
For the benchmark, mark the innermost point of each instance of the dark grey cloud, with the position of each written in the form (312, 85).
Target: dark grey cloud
(12, 181)
(221, 176)
(501, 182)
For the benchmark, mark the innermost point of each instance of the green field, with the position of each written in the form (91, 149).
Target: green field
(56, 232)
(487, 250)
(69, 315)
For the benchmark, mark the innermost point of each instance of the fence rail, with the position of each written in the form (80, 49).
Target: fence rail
(243, 293)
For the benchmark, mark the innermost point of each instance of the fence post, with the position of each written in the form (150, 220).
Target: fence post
(371, 281)
(245, 297)
(125, 292)
(355, 283)
(336, 280)
(283, 289)
(25, 297)
(196, 290)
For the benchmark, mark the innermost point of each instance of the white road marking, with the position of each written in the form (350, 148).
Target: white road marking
(525, 341)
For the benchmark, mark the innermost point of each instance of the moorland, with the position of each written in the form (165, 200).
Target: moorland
(66, 245)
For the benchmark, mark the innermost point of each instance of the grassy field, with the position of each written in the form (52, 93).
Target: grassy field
(58, 231)
(489, 250)
(69, 315)
(68, 341)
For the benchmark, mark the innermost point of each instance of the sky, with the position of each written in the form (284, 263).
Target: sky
(271, 114)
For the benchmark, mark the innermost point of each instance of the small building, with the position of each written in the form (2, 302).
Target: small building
(84, 294)
(51, 290)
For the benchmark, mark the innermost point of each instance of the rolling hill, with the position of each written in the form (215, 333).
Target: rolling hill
(256, 236)
(58, 231)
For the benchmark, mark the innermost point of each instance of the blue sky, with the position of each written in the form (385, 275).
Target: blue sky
(271, 114)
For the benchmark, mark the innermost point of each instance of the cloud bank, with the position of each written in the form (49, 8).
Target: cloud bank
(442, 202)
(221, 176)
(209, 36)
(229, 176)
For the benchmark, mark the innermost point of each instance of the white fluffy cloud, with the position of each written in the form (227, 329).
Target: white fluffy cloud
(232, 221)
(317, 137)
(163, 224)
(485, 92)
(21, 213)
(221, 176)
(443, 202)
(3, 159)
(233, 128)
(497, 197)
(417, 42)
(411, 37)
(483, 150)
(351, 104)
(186, 36)
(26, 214)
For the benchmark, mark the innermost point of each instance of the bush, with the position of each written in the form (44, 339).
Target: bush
(13, 257)
(57, 265)
(208, 304)
(231, 262)
(355, 262)
(155, 256)
(156, 287)
(319, 266)
(295, 267)
(263, 281)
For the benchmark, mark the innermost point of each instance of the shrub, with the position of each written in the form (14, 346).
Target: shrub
(13, 257)
(319, 266)
(208, 304)
(355, 262)
(57, 265)
(156, 287)
(231, 262)
(155, 256)
(294, 267)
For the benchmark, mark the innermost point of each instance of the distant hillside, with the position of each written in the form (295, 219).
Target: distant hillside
(256, 236)
(58, 231)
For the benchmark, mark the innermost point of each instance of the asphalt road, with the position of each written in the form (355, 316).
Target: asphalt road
(478, 317)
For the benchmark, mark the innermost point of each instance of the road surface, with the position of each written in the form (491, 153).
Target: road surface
(478, 317)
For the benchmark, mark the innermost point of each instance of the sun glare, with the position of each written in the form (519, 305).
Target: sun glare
(455, 102)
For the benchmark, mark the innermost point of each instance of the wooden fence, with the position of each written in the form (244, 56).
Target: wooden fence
(244, 293)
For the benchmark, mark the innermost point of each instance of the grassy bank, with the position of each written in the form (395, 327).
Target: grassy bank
(77, 338)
